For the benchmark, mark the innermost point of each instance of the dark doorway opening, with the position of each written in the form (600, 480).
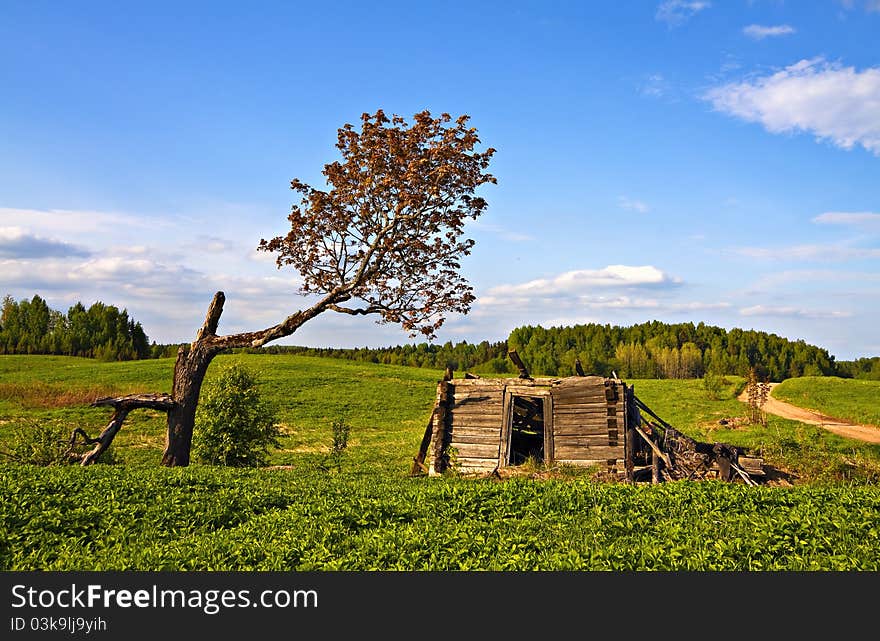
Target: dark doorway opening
(527, 430)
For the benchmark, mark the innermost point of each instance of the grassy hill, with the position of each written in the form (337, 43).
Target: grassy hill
(138, 515)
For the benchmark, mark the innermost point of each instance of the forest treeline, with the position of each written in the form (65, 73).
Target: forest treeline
(99, 331)
(647, 350)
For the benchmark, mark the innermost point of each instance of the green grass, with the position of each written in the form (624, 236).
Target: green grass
(370, 515)
(387, 406)
(850, 399)
(108, 518)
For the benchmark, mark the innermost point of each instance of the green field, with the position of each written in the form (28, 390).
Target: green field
(850, 399)
(135, 514)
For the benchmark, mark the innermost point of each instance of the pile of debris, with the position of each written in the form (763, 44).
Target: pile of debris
(673, 455)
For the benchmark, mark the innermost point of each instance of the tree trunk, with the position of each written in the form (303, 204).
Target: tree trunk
(189, 373)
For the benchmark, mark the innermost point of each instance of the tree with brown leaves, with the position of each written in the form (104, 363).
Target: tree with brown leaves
(385, 238)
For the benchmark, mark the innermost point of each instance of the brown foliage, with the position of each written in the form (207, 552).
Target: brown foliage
(387, 236)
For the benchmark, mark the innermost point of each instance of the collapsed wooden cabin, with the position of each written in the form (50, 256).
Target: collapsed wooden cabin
(480, 425)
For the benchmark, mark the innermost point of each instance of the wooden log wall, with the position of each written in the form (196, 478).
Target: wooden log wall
(589, 422)
(475, 423)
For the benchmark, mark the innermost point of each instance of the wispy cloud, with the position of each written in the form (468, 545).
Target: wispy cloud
(633, 205)
(836, 252)
(833, 102)
(501, 232)
(584, 280)
(864, 219)
(655, 86)
(871, 6)
(759, 32)
(677, 12)
(15, 242)
(791, 312)
(61, 221)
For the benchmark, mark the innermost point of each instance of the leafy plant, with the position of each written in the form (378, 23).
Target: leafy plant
(47, 443)
(758, 390)
(714, 385)
(235, 425)
(341, 430)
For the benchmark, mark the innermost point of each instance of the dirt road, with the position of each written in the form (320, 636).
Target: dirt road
(866, 433)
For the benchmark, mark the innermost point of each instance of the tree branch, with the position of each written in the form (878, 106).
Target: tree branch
(212, 318)
(363, 311)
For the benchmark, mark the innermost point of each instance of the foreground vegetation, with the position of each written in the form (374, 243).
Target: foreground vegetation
(109, 518)
(363, 512)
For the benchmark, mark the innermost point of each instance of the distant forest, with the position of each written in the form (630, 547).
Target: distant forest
(101, 331)
(647, 350)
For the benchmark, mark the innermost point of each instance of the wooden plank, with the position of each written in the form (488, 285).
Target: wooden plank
(475, 439)
(494, 429)
(582, 441)
(471, 450)
(470, 466)
(476, 423)
(483, 390)
(579, 430)
(549, 441)
(581, 419)
(485, 409)
(603, 452)
(476, 405)
(440, 426)
(519, 390)
(507, 419)
(596, 395)
(563, 405)
(581, 381)
(589, 462)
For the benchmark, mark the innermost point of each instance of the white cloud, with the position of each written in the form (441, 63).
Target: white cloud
(676, 12)
(791, 312)
(63, 221)
(579, 281)
(813, 276)
(811, 252)
(759, 32)
(16, 242)
(633, 205)
(834, 103)
(855, 218)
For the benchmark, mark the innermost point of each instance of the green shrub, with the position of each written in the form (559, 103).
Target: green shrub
(47, 443)
(341, 430)
(235, 426)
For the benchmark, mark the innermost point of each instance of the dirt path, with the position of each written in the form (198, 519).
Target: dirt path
(866, 433)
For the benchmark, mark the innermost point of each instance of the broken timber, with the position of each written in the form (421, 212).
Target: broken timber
(588, 421)
(122, 405)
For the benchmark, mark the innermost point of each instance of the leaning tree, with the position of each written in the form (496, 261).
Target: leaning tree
(385, 238)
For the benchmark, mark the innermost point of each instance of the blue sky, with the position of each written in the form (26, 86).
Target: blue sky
(672, 160)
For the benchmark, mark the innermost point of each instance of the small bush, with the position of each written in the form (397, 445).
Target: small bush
(713, 385)
(48, 443)
(341, 430)
(235, 426)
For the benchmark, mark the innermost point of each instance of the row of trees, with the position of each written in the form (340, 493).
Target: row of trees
(865, 368)
(661, 350)
(647, 350)
(101, 331)
(475, 357)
